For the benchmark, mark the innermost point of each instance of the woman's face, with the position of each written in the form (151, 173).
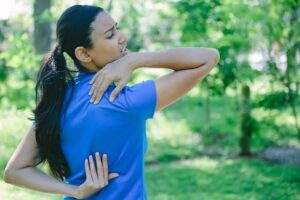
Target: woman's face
(108, 41)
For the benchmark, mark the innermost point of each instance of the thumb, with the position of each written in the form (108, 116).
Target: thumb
(113, 175)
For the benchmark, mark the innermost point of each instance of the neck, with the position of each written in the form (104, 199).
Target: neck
(91, 67)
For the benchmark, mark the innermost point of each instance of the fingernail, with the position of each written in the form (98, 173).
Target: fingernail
(111, 99)
(90, 93)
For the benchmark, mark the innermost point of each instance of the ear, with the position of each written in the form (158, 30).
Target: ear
(82, 54)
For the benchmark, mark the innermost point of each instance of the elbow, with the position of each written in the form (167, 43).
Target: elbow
(7, 176)
(10, 174)
(217, 56)
(214, 56)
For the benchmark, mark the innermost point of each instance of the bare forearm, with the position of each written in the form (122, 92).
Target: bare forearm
(35, 179)
(176, 58)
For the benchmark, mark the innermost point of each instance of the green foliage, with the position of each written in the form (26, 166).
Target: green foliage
(275, 100)
(235, 28)
(20, 56)
(18, 64)
(3, 71)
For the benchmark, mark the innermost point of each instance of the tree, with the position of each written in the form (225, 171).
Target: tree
(246, 122)
(281, 32)
(42, 26)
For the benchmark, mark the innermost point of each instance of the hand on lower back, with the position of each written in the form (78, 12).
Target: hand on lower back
(97, 176)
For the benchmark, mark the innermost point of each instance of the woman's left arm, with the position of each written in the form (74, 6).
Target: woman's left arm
(20, 170)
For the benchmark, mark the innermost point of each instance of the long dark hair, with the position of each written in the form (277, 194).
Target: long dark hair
(73, 30)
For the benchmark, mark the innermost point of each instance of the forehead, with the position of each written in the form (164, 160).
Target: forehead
(102, 22)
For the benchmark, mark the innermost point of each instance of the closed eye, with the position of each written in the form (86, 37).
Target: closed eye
(118, 28)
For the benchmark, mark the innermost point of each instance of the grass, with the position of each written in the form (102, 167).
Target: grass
(178, 166)
(9, 192)
(204, 178)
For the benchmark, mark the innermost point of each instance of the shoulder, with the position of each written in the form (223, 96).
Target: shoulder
(141, 98)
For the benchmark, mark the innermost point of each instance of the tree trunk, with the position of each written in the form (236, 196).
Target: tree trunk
(3, 65)
(291, 70)
(42, 27)
(110, 6)
(246, 122)
(291, 58)
(237, 97)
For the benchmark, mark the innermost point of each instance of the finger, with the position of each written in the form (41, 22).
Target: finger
(95, 77)
(95, 85)
(99, 169)
(105, 169)
(96, 88)
(92, 90)
(93, 170)
(112, 175)
(116, 91)
(87, 170)
(102, 89)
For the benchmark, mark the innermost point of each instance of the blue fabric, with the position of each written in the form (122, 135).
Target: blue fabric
(116, 128)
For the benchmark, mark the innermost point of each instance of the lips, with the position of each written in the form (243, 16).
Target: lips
(124, 50)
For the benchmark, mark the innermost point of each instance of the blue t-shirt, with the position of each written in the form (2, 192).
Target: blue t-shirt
(117, 129)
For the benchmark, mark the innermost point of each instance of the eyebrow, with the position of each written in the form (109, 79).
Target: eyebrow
(111, 28)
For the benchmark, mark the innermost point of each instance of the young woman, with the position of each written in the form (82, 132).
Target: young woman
(82, 120)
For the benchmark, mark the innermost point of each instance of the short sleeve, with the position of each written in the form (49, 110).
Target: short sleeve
(141, 99)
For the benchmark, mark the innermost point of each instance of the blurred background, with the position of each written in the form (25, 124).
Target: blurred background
(235, 136)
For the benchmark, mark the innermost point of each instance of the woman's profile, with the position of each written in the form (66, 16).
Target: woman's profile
(90, 131)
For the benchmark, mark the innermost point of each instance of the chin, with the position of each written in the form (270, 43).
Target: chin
(120, 56)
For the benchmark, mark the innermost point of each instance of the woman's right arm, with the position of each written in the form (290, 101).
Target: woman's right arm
(21, 171)
(190, 65)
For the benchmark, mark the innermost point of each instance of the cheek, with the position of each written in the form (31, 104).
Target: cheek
(107, 52)
(111, 49)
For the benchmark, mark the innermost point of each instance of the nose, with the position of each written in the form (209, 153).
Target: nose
(122, 39)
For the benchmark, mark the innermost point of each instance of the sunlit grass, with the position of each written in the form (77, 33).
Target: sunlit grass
(222, 179)
(176, 140)
(203, 178)
(10, 192)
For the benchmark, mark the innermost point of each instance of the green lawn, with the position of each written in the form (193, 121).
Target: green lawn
(178, 165)
(204, 178)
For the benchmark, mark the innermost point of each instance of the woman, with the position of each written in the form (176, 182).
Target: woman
(86, 117)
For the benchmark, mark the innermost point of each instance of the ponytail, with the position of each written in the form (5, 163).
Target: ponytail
(73, 30)
(50, 89)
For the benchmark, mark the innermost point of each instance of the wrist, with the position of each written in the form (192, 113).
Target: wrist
(74, 192)
(135, 60)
